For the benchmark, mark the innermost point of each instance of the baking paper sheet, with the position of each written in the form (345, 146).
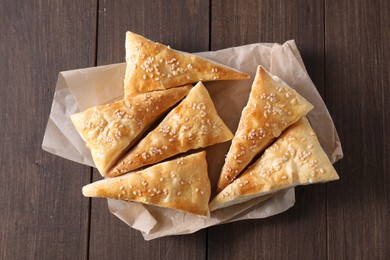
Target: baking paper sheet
(79, 89)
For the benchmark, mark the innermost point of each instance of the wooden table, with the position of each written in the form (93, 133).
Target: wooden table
(345, 46)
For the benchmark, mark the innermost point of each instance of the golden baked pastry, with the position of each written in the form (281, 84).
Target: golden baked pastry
(296, 158)
(192, 124)
(109, 130)
(154, 66)
(181, 184)
(271, 108)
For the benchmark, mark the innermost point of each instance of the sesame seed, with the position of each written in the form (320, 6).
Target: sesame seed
(144, 76)
(196, 190)
(283, 177)
(304, 155)
(145, 155)
(178, 193)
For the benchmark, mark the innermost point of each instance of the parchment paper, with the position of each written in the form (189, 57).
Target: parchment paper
(77, 90)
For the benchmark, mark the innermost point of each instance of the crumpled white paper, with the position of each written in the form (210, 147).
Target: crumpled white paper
(77, 90)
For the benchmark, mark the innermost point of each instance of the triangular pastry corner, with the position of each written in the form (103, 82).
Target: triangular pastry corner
(180, 184)
(154, 66)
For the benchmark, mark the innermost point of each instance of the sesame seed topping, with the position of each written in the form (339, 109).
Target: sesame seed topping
(178, 193)
(304, 155)
(283, 177)
(145, 155)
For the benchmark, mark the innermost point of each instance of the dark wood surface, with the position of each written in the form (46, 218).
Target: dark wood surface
(345, 46)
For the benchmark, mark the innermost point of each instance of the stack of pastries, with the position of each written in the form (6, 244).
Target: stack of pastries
(273, 148)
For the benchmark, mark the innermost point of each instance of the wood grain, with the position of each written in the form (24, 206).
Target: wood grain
(184, 25)
(299, 233)
(357, 88)
(42, 214)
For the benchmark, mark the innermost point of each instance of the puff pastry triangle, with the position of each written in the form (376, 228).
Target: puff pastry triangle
(271, 108)
(154, 66)
(109, 130)
(296, 158)
(193, 124)
(181, 184)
